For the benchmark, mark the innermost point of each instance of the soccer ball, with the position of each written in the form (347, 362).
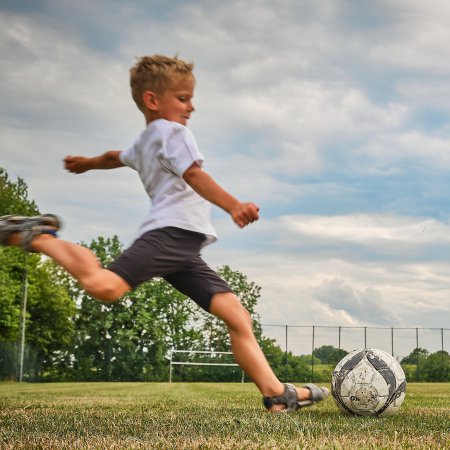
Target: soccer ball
(368, 382)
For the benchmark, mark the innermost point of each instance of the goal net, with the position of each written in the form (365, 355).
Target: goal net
(201, 358)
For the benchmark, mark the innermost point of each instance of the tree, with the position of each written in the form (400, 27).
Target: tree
(12, 270)
(49, 309)
(13, 200)
(286, 366)
(327, 354)
(436, 367)
(417, 355)
(14, 197)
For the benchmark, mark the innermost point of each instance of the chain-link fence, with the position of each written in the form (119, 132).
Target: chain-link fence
(399, 342)
(303, 339)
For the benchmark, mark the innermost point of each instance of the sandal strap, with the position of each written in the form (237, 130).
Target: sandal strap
(317, 395)
(288, 398)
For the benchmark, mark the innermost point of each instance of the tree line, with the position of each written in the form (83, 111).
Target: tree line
(421, 365)
(70, 336)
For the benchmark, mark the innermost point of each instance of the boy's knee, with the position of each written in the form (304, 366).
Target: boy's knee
(241, 321)
(246, 316)
(107, 294)
(102, 292)
(105, 286)
(227, 307)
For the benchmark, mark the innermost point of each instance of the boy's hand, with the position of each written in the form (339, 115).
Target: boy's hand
(81, 164)
(244, 213)
(76, 164)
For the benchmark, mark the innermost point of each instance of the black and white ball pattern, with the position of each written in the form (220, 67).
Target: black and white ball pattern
(368, 382)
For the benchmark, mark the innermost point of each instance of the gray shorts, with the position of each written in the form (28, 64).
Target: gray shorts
(173, 254)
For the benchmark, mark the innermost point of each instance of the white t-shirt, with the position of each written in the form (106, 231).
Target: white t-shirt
(161, 154)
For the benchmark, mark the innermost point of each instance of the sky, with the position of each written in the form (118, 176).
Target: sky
(332, 116)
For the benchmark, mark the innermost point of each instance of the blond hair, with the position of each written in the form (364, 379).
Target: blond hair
(156, 73)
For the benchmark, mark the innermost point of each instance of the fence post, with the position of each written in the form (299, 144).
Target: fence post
(392, 341)
(312, 356)
(417, 347)
(23, 322)
(339, 338)
(286, 353)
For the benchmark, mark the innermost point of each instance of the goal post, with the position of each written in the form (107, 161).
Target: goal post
(190, 363)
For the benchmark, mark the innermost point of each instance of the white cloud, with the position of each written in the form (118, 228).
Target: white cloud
(432, 93)
(415, 38)
(367, 306)
(369, 230)
(316, 111)
(415, 147)
(51, 80)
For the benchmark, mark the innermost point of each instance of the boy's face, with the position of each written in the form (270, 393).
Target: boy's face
(175, 104)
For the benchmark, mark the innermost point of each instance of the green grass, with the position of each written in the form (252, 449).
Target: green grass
(203, 416)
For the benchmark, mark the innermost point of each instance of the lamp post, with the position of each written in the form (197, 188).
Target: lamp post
(23, 321)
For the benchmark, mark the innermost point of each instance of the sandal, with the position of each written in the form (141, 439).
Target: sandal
(28, 227)
(289, 397)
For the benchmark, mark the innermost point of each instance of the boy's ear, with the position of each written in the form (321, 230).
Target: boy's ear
(150, 100)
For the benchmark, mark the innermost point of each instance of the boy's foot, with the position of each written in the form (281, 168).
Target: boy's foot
(27, 228)
(289, 398)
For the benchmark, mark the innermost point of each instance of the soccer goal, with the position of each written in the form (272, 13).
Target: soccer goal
(198, 363)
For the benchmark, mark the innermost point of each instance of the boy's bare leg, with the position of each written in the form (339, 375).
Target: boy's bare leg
(246, 350)
(82, 264)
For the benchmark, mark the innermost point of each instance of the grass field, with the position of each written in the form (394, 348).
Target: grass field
(205, 416)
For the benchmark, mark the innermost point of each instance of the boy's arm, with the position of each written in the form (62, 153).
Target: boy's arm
(81, 164)
(204, 185)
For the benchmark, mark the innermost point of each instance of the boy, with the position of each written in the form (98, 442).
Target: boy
(167, 159)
